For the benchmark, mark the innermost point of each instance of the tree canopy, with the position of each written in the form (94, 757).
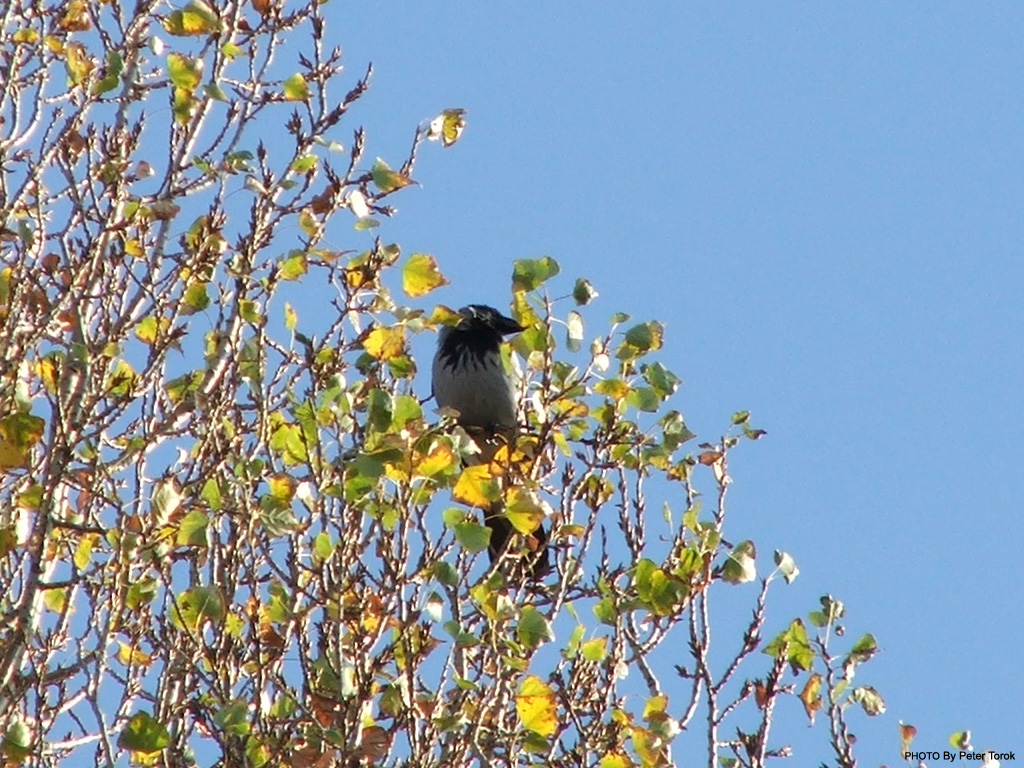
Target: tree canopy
(234, 531)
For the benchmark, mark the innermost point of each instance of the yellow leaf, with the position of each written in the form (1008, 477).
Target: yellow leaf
(525, 510)
(447, 126)
(282, 486)
(385, 343)
(440, 459)
(811, 696)
(476, 487)
(420, 275)
(128, 656)
(535, 705)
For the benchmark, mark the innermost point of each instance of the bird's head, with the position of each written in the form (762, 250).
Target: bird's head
(481, 318)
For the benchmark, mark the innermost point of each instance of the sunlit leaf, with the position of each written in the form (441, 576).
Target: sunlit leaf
(447, 126)
(536, 707)
(195, 19)
(185, 72)
(811, 696)
(420, 275)
(530, 274)
(384, 343)
(386, 179)
(740, 566)
(295, 88)
(143, 733)
(476, 487)
(194, 607)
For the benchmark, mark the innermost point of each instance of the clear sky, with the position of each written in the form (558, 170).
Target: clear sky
(823, 202)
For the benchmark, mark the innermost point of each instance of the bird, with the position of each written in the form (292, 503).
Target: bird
(468, 376)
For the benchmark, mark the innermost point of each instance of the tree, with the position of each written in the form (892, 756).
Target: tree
(231, 530)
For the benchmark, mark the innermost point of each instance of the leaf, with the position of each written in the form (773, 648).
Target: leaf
(525, 510)
(574, 331)
(146, 331)
(294, 266)
(383, 343)
(197, 606)
(530, 274)
(195, 299)
(811, 696)
(595, 650)
(870, 700)
(468, 532)
(794, 643)
(387, 180)
(533, 628)
(476, 487)
(304, 164)
(786, 565)
(740, 567)
(447, 126)
(143, 733)
(535, 705)
(295, 88)
(583, 292)
(420, 275)
(19, 432)
(185, 72)
(192, 530)
(195, 19)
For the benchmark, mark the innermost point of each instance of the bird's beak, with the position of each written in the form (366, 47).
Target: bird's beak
(506, 325)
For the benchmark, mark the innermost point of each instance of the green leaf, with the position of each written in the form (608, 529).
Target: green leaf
(144, 733)
(294, 266)
(141, 593)
(870, 700)
(110, 81)
(304, 164)
(472, 536)
(197, 606)
(215, 92)
(583, 292)
(16, 745)
(386, 179)
(864, 649)
(595, 650)
(794, 643)
(605, 611)
(296, 88)
(195, 19)
(192, 532)
(740, 567)
(195, 299)
(533, 628)
(530, 274)
(323, 547)
(407, 409)
(211, 494)
(185, 72)
(146, 331)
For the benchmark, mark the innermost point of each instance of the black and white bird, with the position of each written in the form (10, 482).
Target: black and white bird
(469, 377)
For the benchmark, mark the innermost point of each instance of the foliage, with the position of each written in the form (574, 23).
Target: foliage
(229, 529)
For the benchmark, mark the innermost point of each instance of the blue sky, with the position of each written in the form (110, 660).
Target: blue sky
(823, 202)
